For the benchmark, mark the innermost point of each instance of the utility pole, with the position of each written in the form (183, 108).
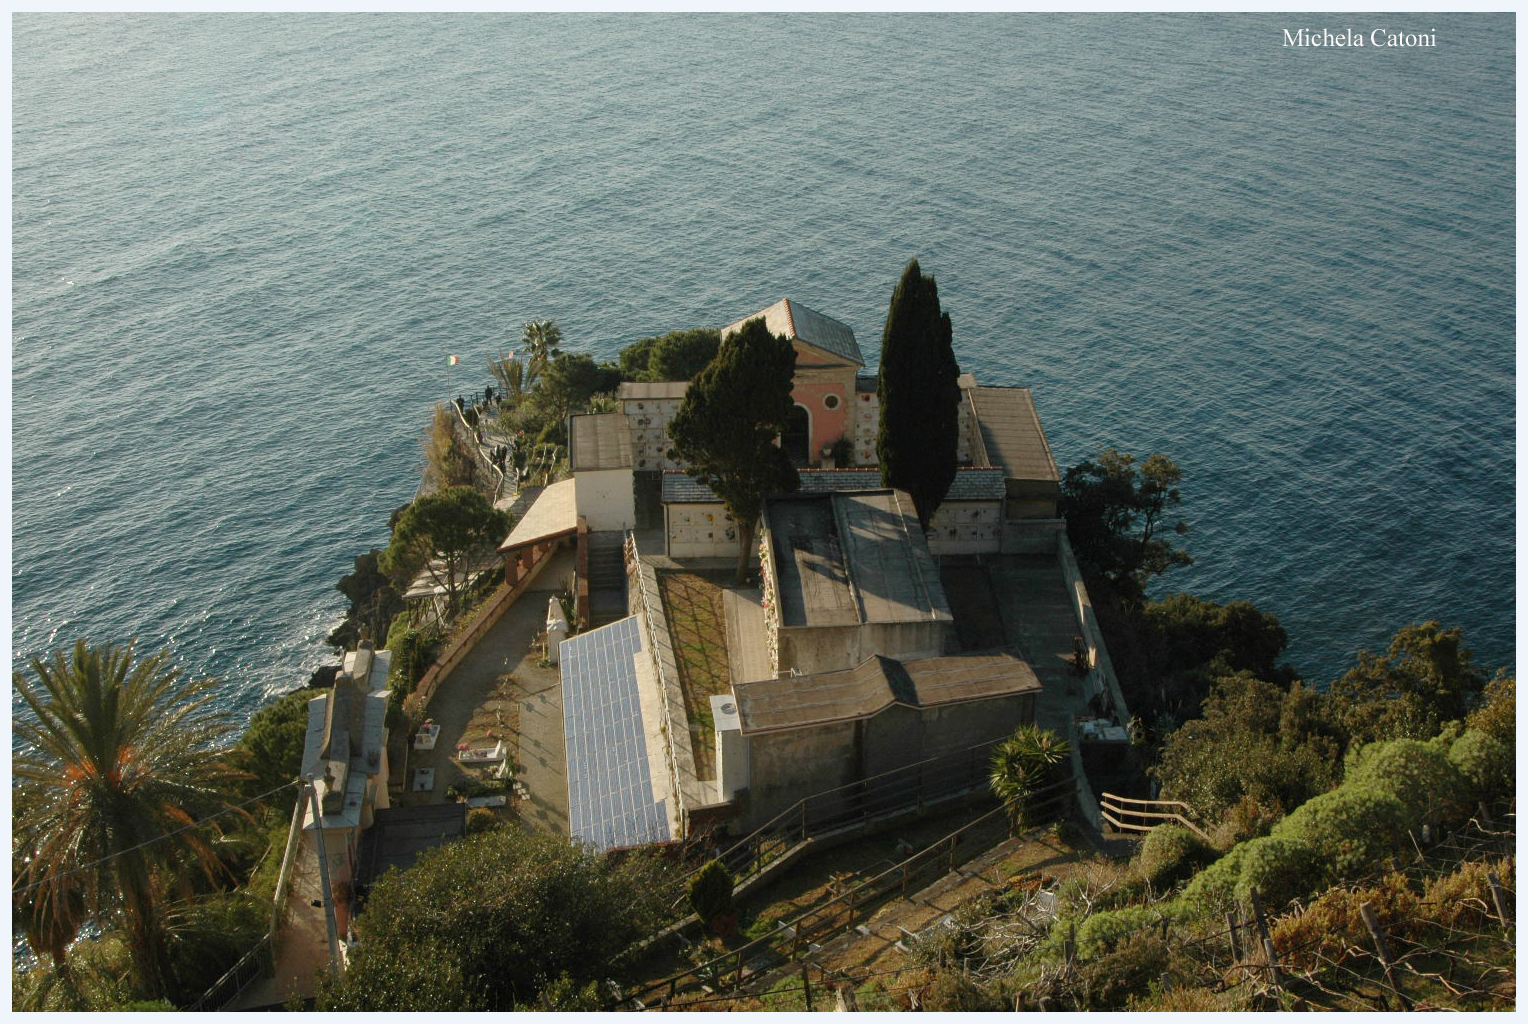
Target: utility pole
(323, 874)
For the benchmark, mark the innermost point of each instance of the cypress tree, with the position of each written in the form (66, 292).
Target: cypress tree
(727, 425)
(920, 397)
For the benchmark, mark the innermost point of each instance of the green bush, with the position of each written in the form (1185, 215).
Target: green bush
(413, 654)
(1283, 869)
(1350, 828)
(481, 819)
(211, 935)
(711, 892)
(1417, 774)
(1109, 982)
(272, 745)
(1102, 933)
(954, 991)
(1171, 854)
(1485, 762)
(493, 920)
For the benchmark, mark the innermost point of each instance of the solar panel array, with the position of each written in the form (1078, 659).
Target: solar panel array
(610, 788)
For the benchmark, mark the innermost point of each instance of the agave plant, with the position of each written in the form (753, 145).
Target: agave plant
(117, 761)
(1026, 762)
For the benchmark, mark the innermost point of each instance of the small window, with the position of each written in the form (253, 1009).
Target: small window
(830, 402)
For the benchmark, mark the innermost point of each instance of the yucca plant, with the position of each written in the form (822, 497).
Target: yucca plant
(1025, 763)
(116, 759)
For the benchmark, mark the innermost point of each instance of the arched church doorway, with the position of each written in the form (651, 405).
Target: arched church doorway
(796, 438)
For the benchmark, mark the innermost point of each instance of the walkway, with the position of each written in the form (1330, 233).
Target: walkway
(747, 656)
(1038, 618)
(510, 648)
(302, 954)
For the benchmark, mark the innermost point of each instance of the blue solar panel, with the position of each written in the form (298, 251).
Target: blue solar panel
(610, 789)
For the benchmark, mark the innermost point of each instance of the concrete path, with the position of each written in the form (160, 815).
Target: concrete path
(508, 649)
(747, 656)
(303, 953)
(1038, 618)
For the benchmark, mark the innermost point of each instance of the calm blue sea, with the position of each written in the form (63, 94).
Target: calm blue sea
(245, 247)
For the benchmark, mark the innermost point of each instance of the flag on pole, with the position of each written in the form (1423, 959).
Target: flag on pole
(455, 360)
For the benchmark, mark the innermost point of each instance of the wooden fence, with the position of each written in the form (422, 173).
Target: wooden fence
(1151, 814)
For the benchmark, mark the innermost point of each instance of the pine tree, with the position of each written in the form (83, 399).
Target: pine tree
(726, 428)
(920, 397)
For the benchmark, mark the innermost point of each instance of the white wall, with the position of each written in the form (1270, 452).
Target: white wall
(604, 497)
(966, 527)
(700, 531)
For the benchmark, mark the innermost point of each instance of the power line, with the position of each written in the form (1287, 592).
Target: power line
(157, 839)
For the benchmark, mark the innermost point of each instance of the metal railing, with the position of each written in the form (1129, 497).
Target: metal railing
(806, 930)
(909, 789)
(250, 968)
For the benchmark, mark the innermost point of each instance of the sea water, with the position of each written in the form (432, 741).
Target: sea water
(245, 247)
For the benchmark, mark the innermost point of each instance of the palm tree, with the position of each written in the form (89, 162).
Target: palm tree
(117, 759)
(1025, 763)
(540, 339)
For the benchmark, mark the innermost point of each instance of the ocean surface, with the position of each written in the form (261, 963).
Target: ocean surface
(245, 246)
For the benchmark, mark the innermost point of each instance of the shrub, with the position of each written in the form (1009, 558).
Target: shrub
(481, 819)
(1497, 714)
(1283, 870)
(272, 745)
(1025, 763)
(1171, 854)
(1109, 982)
(1250, 817)
(955, 991)
(1463, 899)
(1333, 923)
(414, 653)
(1178, 1000)
(1102, 933)
(489, 921)
(1485, 763)
(1351, 828)
(1417, 774)
(711, 893)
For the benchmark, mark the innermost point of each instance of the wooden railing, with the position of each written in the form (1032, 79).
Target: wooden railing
(1154, 814)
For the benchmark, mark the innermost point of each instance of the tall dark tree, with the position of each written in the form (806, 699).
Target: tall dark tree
(920, 398)
(727, 425)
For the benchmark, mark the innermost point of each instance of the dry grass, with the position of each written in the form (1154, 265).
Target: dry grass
(692, 604)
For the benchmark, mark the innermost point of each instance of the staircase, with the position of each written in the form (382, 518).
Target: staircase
(607, 578)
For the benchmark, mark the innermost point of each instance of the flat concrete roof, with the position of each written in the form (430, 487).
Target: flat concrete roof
(1011, 433)
(795, 702)
(554, 513)
(398, 835)
(851, 558)
(648, 390)
(599, 441)
(971, 483)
